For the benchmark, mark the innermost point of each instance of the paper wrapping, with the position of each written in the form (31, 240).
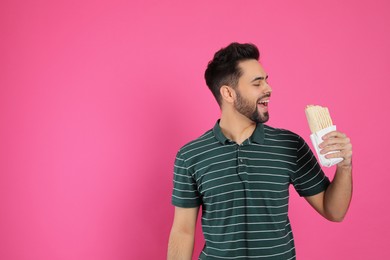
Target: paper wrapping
(316, 139)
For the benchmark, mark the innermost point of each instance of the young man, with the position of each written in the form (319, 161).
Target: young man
(240, 171)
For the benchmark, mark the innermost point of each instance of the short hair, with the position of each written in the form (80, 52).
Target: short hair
(223, 69)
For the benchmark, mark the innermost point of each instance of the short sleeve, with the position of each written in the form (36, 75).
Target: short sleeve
(185, 193)
(308, 179)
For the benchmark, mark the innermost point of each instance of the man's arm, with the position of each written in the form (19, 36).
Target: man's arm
(334, 202)
(182, 237)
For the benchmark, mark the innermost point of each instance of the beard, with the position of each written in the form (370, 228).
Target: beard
(249, 110)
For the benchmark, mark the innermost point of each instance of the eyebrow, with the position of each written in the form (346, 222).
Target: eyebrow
(259, 78)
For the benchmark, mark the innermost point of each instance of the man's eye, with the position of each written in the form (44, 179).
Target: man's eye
(257, 85)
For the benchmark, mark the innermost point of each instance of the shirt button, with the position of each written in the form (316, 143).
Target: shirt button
(241, 160)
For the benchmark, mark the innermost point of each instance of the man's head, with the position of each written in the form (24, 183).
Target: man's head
(236, 78)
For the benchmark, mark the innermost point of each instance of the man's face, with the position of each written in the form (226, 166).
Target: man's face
(253, 92)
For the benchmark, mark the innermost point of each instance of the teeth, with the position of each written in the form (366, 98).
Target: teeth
(265, 101)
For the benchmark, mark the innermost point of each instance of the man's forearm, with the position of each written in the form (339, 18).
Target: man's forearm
(180, 246)
(338, 195)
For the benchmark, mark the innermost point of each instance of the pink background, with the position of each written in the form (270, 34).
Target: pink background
(96, 97)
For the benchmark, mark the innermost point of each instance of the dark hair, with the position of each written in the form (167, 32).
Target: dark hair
(223, 69)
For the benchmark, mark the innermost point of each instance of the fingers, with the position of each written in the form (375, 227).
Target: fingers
(333, 148)
(336, 145)
(334, 134)
(345, 153)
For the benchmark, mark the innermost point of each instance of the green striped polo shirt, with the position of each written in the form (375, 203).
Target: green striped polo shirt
(244, 190)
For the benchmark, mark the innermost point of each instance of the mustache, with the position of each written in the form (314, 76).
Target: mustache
(263, 96)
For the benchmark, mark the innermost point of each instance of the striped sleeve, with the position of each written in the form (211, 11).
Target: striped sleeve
(185, 193)
(308, 178)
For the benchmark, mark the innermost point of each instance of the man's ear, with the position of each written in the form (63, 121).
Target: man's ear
(227, 93)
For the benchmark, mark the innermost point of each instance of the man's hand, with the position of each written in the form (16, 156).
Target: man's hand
(340, 147)
(334, 202)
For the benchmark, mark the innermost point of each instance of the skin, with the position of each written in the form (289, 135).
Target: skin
(240, 113)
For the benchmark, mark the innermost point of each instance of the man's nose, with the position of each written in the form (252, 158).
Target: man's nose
(267, 89)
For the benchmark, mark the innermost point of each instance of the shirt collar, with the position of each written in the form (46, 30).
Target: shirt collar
(256, 137)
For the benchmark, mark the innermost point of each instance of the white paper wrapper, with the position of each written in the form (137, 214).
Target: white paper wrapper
(316, 139)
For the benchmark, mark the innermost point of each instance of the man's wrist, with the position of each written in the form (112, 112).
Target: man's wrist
(344, 168)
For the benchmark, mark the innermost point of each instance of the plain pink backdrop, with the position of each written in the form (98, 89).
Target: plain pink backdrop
(96, 97)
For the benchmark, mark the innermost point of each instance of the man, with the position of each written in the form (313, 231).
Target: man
(240, 171)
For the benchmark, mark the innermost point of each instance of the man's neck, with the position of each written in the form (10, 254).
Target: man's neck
(235, 126)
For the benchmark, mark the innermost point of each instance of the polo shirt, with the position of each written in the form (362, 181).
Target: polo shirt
(244, 190)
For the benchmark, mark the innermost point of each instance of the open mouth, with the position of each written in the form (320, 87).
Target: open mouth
(263, 103)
